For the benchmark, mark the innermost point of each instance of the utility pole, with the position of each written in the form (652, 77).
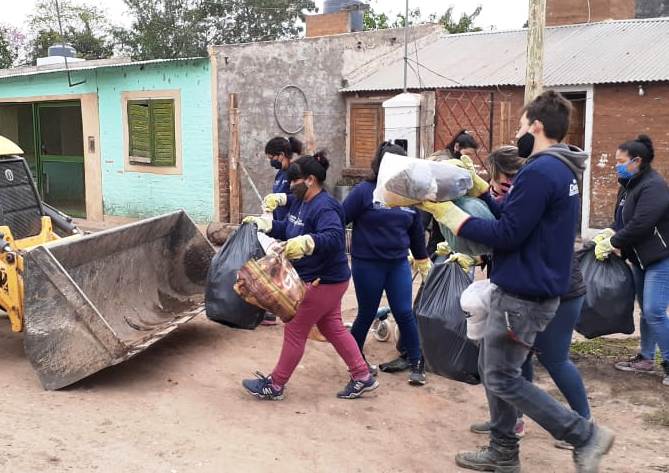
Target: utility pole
(406, 44)
(534, 77)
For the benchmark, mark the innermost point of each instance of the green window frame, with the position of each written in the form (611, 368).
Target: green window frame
(152, 132)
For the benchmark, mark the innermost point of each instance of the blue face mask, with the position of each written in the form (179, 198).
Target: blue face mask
(623, 172)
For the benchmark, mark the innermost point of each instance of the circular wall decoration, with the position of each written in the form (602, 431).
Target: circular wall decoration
(290, 104)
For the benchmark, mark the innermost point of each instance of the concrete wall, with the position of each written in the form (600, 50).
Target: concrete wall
(320, 67)
(136, 194)
(620, 115)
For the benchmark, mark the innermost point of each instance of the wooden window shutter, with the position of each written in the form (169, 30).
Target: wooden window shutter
(162, 125)
(366, 133)
(139, 131)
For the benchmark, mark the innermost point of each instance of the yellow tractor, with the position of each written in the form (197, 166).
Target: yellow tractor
(89, 301)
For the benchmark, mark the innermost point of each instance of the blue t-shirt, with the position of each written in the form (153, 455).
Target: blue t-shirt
(322, 218)
(281, 186)
(381, 233)
(533, 239)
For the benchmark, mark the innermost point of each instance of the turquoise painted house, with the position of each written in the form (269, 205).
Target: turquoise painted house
(115, 138)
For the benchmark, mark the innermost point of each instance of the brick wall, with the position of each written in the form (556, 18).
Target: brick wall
(326, 25)
(621, 114)
(568, 12)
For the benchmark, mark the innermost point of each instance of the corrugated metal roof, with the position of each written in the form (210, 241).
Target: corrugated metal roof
(594, 53)
(83, 66)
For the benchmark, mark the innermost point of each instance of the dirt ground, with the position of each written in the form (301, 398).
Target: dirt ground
(179, 407)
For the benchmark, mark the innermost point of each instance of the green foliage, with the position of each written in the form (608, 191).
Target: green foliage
(7, 55)
(186, 28)
(464, 24)
(378, 21)
(85, 28)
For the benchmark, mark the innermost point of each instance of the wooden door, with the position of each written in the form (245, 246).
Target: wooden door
(576, 134)
(366, 133)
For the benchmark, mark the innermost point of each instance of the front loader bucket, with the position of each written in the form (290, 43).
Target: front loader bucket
(96, 301)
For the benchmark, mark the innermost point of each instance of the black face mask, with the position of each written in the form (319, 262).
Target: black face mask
(275, 163)
(525, 145)
(299, 190)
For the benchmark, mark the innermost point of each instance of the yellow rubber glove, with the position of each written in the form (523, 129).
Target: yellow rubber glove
(272, 201)
(263, 224)
(443, 249)
(603, 235)
(480, 186)
(465, 261)
(446, 213)
(299, 247)
(603, 249)
(423, 266)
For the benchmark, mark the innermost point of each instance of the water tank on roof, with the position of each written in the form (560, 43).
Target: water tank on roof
(357, 8)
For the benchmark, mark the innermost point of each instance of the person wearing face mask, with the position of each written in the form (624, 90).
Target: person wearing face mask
(280, 151)
(314, 236)
(533, 247)
(380, 245)
(641, 232)
(552, 345)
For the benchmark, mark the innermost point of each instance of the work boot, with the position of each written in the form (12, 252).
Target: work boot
(484, 428)
(665, 367)
(417, 375)
(588, 457)
(637, 364)
(398, 364)
(497, 459)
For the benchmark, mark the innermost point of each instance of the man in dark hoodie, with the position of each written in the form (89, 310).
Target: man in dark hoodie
(533, 243)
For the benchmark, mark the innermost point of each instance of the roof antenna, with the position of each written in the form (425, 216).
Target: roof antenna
(60, 28)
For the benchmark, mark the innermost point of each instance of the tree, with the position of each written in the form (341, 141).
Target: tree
(378, 21)
(185, 28)
(7, 55)
(85, 28)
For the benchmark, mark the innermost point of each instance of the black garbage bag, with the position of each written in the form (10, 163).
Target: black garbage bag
(442, 325)
(222, 303)
(609, 302)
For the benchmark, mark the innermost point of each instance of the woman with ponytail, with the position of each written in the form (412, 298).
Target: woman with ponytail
(314, 234)
(280, 152)
(641, 232)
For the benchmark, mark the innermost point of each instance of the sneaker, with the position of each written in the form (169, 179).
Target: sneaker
(588, 457)
(637, 364)
(355, 389)
(665, 366)
(398, 364)
(417, 376)
(490, 459)
(269, 319)
(262, 388)
(563, 445)
(484, 428)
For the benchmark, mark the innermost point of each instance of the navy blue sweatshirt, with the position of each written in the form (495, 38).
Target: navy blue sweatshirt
(322, 218)
(533, 239)
(281, 186)
(379, 233)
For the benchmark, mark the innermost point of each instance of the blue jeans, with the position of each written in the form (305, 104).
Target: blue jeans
(371, 278)
(500, 365)
(553, 346)
(652, 290)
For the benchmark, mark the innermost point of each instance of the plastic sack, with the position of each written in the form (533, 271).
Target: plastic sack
(475, 302)
(609, 301)
(476, 208)
(404, 181)
(442, 324)
(222, 303)
(271, 283)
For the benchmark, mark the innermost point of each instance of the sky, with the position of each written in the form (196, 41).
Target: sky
(501, 14)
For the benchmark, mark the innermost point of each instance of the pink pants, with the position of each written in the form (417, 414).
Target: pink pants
(321, 307)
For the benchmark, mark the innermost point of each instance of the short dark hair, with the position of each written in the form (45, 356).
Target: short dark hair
(464, 139)
(288, 147)
(316, 165)
(385, 147)
(642, 148)
(553, 110)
